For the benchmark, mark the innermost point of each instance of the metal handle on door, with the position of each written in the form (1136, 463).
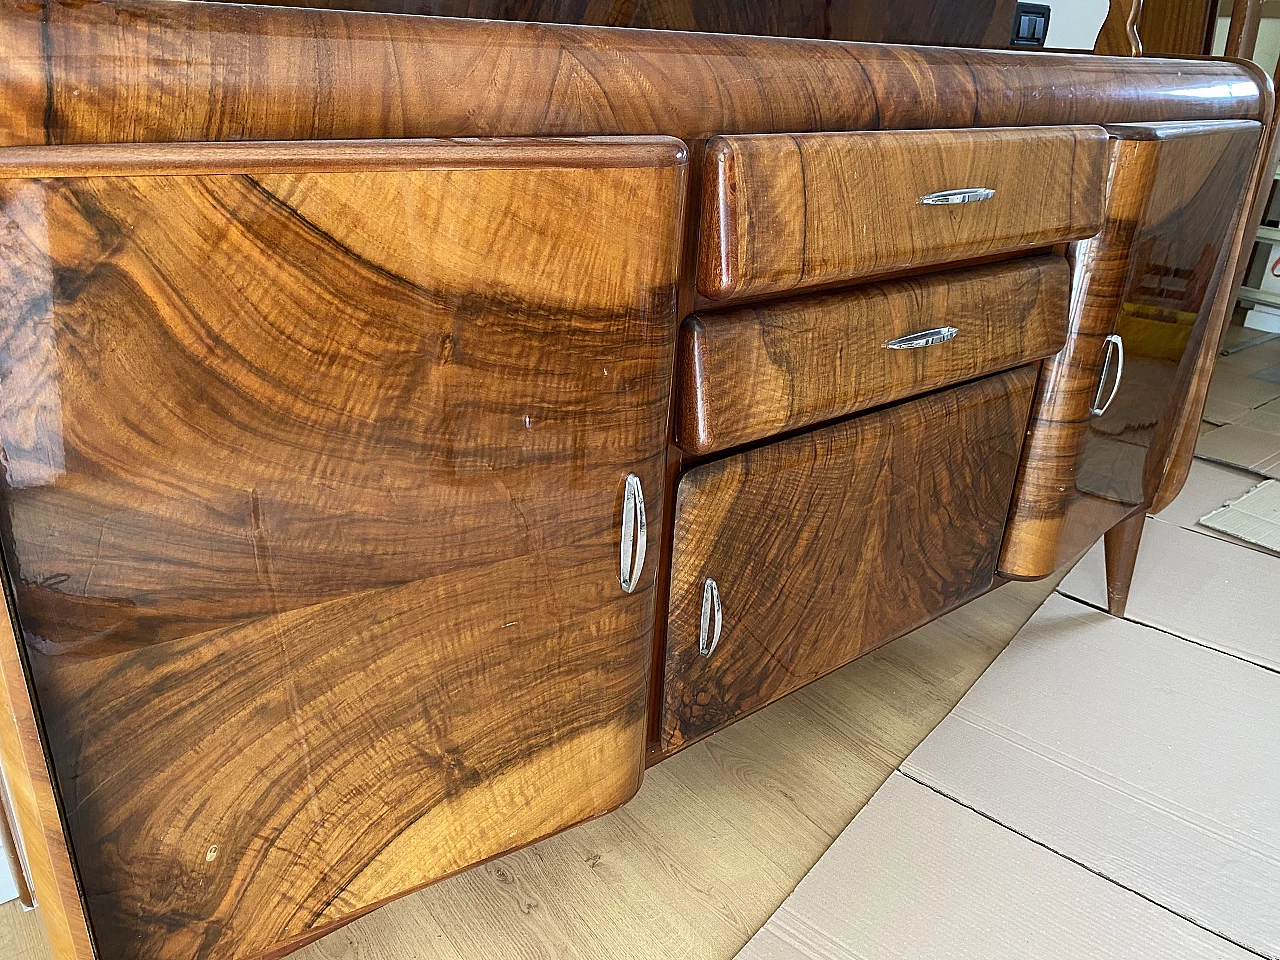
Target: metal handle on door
(965, 195)
(634, 534)
(1112, 341)
(710, 635)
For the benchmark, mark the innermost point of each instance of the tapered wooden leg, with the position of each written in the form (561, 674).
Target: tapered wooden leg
(1122, 553)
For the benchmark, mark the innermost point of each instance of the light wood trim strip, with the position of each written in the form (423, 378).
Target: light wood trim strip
(31, 800)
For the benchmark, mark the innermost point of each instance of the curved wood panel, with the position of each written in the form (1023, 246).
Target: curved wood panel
(1152, 277)
(781, 213)
(161, 70)
(753, 372)
(313, 497)
(828, 544)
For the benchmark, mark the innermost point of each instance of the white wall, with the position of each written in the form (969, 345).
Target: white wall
(1074, 24)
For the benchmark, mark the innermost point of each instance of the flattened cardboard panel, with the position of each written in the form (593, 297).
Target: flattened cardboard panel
(1208, 486)
(1251, 440)
(1255, 517)
(917, 875)
(1147, 759)
(1196, 586)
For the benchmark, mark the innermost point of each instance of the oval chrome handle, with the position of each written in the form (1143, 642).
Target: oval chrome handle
(634, 534)
(1112, 341)
(965, 195)
(709, 637)
(924, 338)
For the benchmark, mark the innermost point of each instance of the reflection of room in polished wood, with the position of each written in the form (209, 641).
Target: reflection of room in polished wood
(1150, 277)
(321, 455)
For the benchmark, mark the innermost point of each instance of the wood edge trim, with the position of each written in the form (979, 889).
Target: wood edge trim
(286, 156)
(1164, 129)
(719, 273)
(36, 810)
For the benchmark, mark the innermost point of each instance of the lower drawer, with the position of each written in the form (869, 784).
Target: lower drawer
(792, 559)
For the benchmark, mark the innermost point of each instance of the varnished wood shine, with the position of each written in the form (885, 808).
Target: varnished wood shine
(782, 213)
(1152, 276)
(751, 372)
(313, 487)
(828, 544)
(162, 70)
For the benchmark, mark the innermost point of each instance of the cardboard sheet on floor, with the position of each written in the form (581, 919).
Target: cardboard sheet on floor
(917, 875)
(1251, 441)
(1220, 594)
(1208, 487)
(1147, 759)
(1254, 517)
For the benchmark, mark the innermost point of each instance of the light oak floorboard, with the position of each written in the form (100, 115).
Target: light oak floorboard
(716, 839)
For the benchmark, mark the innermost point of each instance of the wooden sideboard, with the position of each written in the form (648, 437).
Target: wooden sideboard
(412, 428)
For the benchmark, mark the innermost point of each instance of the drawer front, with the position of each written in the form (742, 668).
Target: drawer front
(822, 546)
(759, 370)
(787, 212)
(1142, 322)
(316, 514)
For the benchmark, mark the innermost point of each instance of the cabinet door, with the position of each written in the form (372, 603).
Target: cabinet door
(1142, 298)
(317, 462)
(793, 558)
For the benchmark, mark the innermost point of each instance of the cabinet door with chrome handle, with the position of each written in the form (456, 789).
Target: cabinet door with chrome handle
(1111, 404)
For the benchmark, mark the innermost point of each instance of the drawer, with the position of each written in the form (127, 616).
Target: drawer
(794, 558)
(783, 212)
(759, 370)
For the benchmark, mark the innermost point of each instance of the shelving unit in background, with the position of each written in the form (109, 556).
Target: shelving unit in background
(1254, 296)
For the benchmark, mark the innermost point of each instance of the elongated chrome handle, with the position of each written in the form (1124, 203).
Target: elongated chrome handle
(709, 637)
(1112, 341)
(965, 195)
(924, 338)
(634, 534)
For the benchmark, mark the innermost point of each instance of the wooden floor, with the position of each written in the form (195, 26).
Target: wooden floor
(715, 840)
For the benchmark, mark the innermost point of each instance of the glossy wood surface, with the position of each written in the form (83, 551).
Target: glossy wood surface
(967, 23)
(313, 490)
(828, 544)
(781, 213)
(163, 70)
(751, 372)
(30, 800)
(1152, 277)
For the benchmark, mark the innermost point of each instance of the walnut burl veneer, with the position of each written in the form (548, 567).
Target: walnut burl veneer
(752, 372)
(786, 212)
(163, 70)
(825, 545)
(1151, 278)
(312, 498)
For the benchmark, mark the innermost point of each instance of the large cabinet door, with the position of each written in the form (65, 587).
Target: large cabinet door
(317, 460)
(1142, 298)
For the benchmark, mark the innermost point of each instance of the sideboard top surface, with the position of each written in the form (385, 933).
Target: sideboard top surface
(161, 70)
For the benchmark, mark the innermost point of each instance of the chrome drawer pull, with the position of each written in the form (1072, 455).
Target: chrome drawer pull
(924, 338)
(967, 195)
(634, 534)
(709, 637)
(1112, 341)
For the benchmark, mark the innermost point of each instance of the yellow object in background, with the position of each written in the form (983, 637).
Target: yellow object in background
(1157, 332)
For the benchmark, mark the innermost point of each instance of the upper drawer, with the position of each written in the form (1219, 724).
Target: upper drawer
(782, 212)
(766, 368)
